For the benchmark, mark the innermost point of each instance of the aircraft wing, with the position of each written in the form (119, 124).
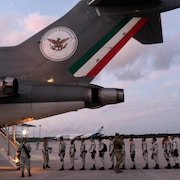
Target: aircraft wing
(86, 135)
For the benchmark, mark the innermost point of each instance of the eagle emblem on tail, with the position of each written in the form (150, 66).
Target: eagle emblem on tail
(58, 44)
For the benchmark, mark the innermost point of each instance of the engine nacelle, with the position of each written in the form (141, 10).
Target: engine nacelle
(97, 97)
(8, 86)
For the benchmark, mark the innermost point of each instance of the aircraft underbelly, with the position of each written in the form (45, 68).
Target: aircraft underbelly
(41, 110)
(23, 112)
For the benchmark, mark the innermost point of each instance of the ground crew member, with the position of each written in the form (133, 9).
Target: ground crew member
(132, 152)
(72, 150)
(145, 152)
(92, 151)
(174, 152)
(62, 149)
(111, 151)
(24, 150)
(83, 152)
(123, 152)
(101, 153)
(45, 152)
(167, 152)
(117, 152)
(154, 155)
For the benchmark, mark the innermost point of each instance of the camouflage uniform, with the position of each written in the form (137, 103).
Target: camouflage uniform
(111, 152)
(24, 150)
(101, 153)
(117, 152)
(132, 152)
(45, 152)
(154, 155)
(123, 153)
(174, 152)
(167, 152)
(62, 149)
(145, 152)
(92, 151)
(72, 150)
(83, 152)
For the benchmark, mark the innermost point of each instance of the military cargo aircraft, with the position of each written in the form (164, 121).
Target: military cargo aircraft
(51, 72)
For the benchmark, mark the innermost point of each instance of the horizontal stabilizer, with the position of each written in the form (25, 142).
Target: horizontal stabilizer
(137, 7)
(151, 32)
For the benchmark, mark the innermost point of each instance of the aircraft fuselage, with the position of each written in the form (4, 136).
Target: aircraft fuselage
(50, 73)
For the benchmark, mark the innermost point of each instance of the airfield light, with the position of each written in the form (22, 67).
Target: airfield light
(24, 132)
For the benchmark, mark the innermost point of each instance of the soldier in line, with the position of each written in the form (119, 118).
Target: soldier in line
(132, 152)
(174, 152)
(92, 151)
(72, 151)
(45, 152)
(24, 150)
(111, 151)
(145, 152)
(167, 151)
(154, 155)
(101, 153)
(83, 152)
(117, 152)
(62, 149)
(123, 153)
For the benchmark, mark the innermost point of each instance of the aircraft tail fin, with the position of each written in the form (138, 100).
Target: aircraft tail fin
(100, 130)
(75, 51)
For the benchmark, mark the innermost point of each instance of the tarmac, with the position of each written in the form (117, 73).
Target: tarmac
(38, 173)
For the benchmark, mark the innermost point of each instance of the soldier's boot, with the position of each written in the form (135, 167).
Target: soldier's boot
(134, 167)
(29, 173)
(47, 166)
(22, 174)
(72, 168)
(168, 166)
(93, 168)
(62, 168)
(83, 168)
(117, 170)
(146, 167)
(112, 167)
(102, 168)
(176, 166)
(123, 167)
(156, 166)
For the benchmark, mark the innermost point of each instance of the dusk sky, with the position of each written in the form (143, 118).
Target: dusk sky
(149, 74)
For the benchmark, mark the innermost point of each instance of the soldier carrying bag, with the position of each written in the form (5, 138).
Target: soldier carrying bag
(26, 151)
(105, 148)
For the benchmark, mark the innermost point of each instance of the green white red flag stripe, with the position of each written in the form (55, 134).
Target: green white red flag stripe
(91, 64)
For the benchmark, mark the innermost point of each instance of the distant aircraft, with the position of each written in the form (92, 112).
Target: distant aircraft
(81, 135)
(51, 72)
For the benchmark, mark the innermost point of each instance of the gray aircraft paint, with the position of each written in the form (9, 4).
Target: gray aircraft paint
(25, 71)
